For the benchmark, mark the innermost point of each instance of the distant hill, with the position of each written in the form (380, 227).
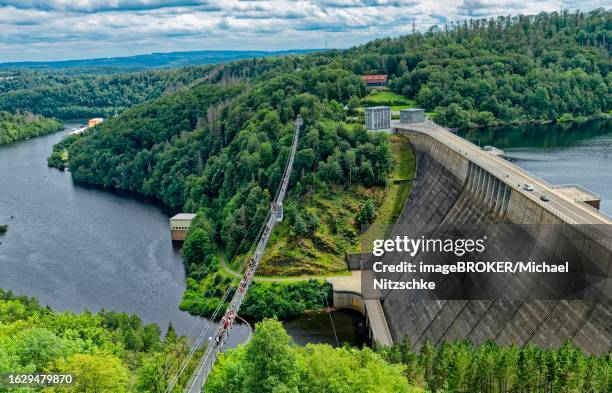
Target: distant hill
(156, 60)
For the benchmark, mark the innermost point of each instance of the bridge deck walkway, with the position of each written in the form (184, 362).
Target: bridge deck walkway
(205, 364)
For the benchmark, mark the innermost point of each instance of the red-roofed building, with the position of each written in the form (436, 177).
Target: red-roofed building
(374, 80)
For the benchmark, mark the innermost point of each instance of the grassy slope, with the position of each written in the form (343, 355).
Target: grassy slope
(396, 193)
(287, 255)
(390, 98)
(395, 100)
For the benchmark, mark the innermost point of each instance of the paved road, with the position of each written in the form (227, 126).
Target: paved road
(77, 131)
(566, 208)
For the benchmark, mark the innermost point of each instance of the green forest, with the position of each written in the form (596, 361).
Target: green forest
(16, 127)
(498, 71)
(219, 150)
(88, 92)
(214, 140)
(271, 363)
(117, 353)
(105, 352)
(491, 368)
(219, 147)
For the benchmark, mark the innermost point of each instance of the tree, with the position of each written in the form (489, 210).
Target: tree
(171, 335)
(198, 248)
(99, 373)
(313, 222)
(315, 368)
(350, 160)
(330, 171)
(270, 360)
(365, 215)
(299, 226)
(39, 346)
(151, 376)
(352, 105)
(366, 174)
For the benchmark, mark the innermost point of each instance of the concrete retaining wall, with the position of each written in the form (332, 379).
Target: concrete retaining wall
(349, 300)
(451, 189)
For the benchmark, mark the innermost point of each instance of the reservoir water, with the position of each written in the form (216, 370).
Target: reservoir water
(560, 153)
(76, 248)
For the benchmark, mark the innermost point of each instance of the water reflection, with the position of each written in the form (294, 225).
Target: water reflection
(540, 136)
(348, 326)
(79, 247)
(566, 153)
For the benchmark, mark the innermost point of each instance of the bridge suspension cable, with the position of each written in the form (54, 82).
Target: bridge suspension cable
(183, 365)
(248, 267)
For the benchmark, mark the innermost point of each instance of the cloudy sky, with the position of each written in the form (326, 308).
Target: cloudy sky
(77, 29)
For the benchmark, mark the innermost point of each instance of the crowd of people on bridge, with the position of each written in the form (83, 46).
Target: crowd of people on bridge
(230, 314)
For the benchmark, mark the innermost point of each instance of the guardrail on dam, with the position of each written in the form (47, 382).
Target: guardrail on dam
(458, 183)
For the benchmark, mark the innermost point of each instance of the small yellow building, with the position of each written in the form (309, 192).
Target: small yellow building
(93, 122)
(180, 224)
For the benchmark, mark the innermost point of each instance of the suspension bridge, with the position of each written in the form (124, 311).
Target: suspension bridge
(214, 343)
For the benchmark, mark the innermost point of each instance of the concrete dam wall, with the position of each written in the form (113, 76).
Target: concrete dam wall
(452, 188)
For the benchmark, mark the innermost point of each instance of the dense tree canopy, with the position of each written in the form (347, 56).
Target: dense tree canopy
(499, 70)
(15, 127)
(105, 352)
(270, 362)
(89, 92)
(224, 147)
(491, 368)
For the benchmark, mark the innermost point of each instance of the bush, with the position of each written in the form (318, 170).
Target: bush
(365, 216)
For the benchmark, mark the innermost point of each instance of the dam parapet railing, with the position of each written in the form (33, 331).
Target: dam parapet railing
(425, 129)
(582, 194)
(429, 135)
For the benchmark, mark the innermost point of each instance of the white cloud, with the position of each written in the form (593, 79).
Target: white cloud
(54, 29)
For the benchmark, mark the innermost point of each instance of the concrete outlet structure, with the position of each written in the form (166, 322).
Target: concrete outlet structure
(377, 117)
(180, 224)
